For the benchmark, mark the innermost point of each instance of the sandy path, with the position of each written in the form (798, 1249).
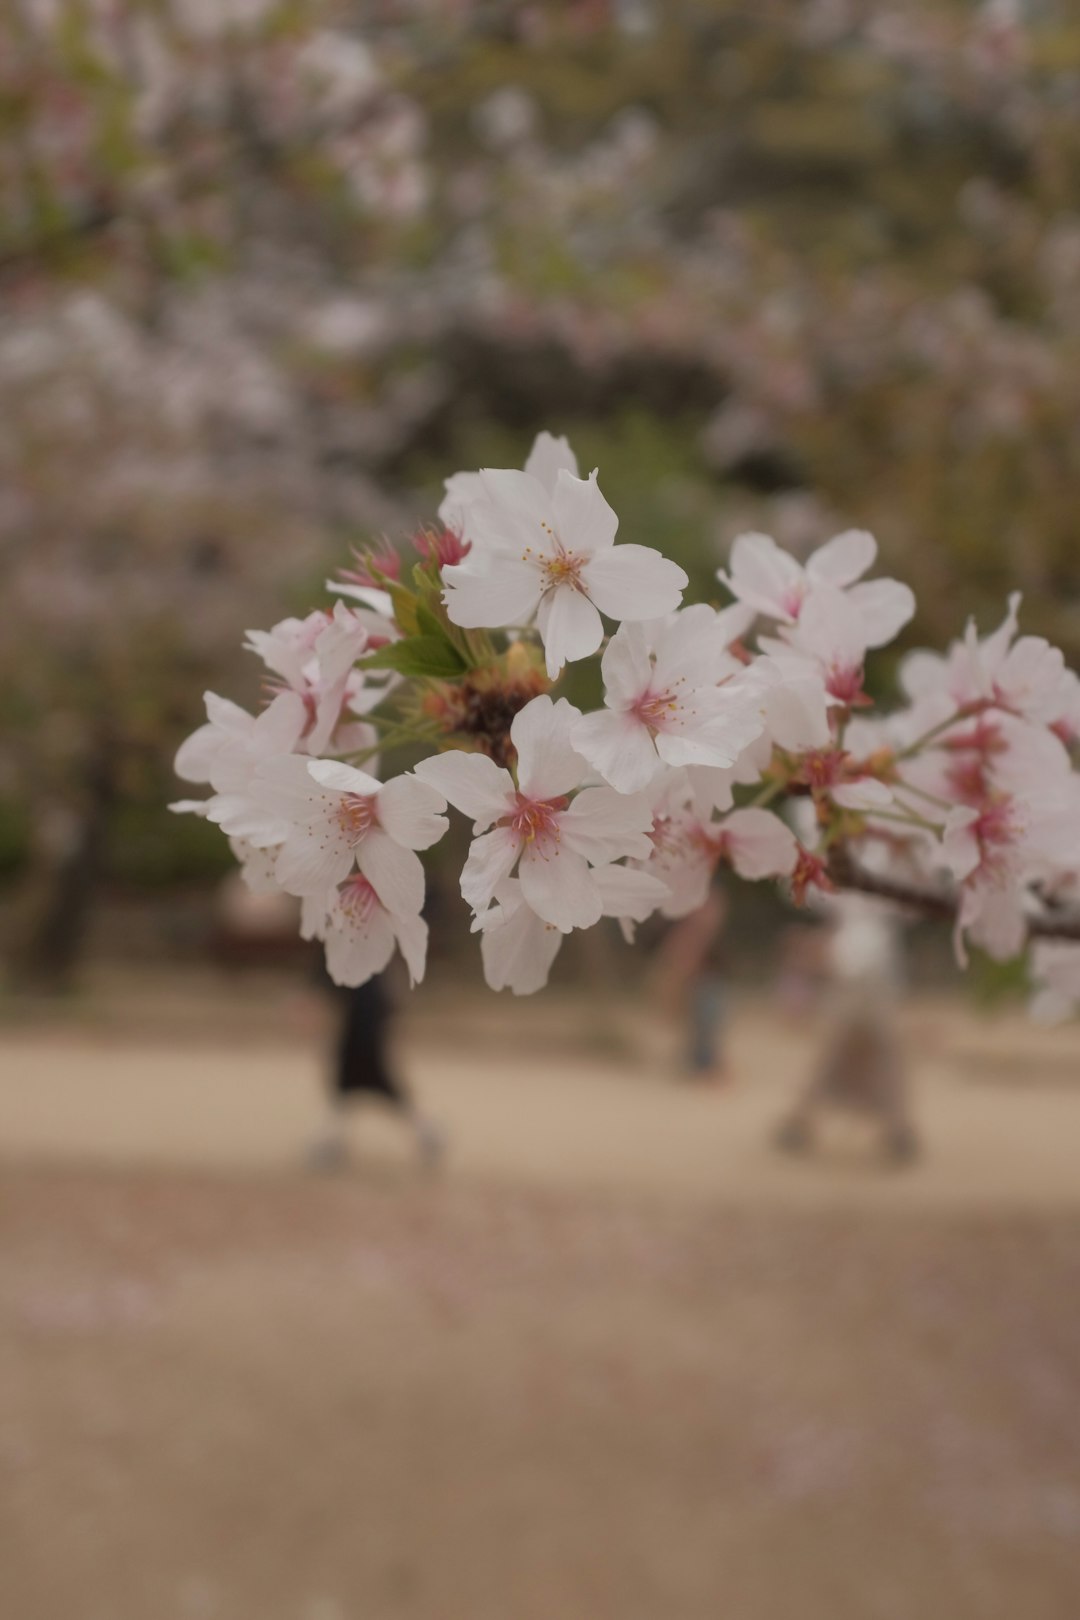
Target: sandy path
(1000, 1114)
(256, 1398)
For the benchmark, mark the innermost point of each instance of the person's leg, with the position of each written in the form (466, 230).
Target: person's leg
(795, 1133)
(705, 1058)
(900, 1138)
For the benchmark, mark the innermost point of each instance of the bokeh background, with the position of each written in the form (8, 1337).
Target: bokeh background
(268, 272)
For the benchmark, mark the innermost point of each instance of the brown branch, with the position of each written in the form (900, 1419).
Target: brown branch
(846, 874)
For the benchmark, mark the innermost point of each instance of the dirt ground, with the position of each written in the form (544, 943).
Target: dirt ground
(618, 1362)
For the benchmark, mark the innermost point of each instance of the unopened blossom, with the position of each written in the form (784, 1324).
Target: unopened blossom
(665, 704)
(518, 947)
(373, 566)
(334, 817)
(554, 555)
(554, 840)
(360, 932)
(777, 585)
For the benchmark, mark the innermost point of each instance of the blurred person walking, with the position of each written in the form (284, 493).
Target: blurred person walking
(362, 1067)
(693, 968)
(861, 1068)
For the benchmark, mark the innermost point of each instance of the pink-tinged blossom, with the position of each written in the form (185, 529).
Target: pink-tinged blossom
(518, 947)
(554, 840)
(314, 658)
(1024, 675)
(554, 555)
(688, 848)
(1020, 675)
(829, 640)
(227, 750)
(360, 933)
(775, 584)
(995, 850)
(328, 816)
(664, 703)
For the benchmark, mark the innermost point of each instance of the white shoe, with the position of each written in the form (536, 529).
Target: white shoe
(431, 1143)
(327, 1155)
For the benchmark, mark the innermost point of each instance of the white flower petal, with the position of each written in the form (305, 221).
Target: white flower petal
(408, 810)
(518, 950)
(843, 559)
(332, 773)
(356, 951)
(508, 590)
(308, 864)
(604, 825)
(396, 874)
(557, 884)
(569, 626)
(620, 748)
(474, 784)
(548, 457)
(760, 844)
(412, 938)
(491, 858)
(885, 606)
(626, 891)
(548, 765)
(626, 666)
(584, 522)
(765, 577)
(633, 582)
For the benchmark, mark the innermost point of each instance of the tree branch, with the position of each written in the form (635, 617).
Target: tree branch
(847, 874)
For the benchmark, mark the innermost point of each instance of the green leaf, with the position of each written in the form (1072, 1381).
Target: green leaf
(431, 657)
(428, 623)
(405, 606)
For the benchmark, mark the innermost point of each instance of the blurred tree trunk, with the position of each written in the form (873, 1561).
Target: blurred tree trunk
(65, 884)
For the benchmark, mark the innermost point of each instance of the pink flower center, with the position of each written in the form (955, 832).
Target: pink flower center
(355, 815)
(844, 682)
(997, 826)
(358, 899)
(561, 568)
(792, 599)
(655, 709)
(535, 820)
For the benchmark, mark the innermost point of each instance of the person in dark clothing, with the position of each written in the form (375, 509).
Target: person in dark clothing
(362, 1067)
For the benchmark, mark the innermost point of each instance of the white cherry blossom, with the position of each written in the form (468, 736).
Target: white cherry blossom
(665, 704)
(554, 554)
(328, 816)
(688, 846)
(777, 585)
(535, 825)
(518, 947)
(361, 933)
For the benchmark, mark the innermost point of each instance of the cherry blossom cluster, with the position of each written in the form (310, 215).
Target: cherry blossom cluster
(734, 735)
